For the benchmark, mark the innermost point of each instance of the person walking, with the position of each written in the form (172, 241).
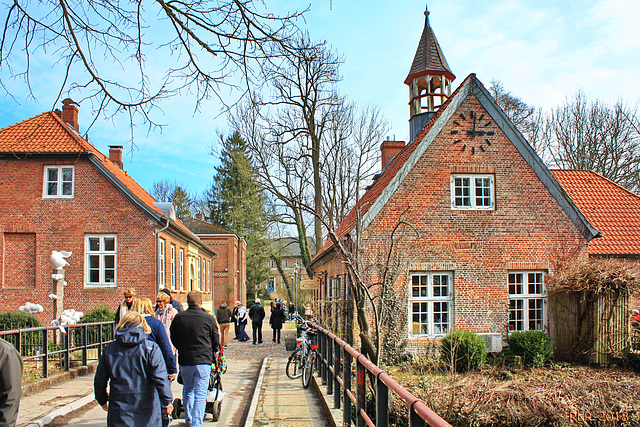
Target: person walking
(234, 319)
(276, 320)
(133, 367)
(176, 304)
(126, 304)
(223, 316)
(242, 322)
(194, 333)
(165, 311)
(292, 309)
(256, 314)
(11, 366)
(158, 335)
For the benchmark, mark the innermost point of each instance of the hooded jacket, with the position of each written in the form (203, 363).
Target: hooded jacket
(139, 388)
(223, 314)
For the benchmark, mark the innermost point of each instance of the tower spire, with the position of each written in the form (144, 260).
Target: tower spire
(429, 79)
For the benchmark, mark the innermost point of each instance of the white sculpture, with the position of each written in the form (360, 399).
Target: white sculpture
(53, 296)
(31, 308)
(68, 317)
(57, 276)
(58, 258)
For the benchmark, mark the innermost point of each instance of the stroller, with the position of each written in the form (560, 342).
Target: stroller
(214, 394)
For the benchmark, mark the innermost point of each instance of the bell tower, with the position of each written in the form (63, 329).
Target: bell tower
(429, 80)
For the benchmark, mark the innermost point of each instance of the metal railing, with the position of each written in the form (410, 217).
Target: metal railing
(335, 357)
(62, 346)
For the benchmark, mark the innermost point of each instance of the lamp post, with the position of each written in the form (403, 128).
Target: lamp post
(295, 284)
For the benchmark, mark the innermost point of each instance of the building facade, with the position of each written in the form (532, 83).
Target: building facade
(58, 192)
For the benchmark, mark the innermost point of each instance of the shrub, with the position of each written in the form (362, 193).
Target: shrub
(463, 350)
(15, 320)
(101, 313)
(533, 346)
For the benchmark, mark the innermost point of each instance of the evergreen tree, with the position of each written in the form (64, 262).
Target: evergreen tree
(236, 202)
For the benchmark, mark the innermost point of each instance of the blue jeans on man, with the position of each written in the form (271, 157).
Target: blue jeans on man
(194, 392)
(243, 334)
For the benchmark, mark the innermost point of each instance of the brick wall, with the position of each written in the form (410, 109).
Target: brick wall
(61, 224)
(527, 230)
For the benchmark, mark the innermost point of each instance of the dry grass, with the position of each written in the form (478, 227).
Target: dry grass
(557, 395)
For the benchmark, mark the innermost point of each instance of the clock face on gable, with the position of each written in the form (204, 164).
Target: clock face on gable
(474, 132)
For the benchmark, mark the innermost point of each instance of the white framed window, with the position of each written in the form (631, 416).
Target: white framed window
(209, 277)
(335, 286)
(197, 275)
(430, 303)
(527, 301)
(272, 263)
(181, 269)
(203, 266)
(161, 263)
(472, 192)
(101, 258)
(58, 182)
(173, 267)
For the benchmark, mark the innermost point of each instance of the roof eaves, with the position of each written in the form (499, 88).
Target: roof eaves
(529, 155)
(125, 190)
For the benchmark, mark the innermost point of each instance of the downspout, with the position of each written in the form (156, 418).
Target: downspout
(157, 233)
(213, 285)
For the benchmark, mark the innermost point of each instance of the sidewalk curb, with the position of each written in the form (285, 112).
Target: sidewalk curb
(256, 395)
(73, 406)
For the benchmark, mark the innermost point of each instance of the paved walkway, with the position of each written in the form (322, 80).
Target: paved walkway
(258, 393)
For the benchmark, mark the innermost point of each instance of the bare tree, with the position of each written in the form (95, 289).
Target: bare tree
(167, 191)
(526, 118)
(126, 56)
(595, 136)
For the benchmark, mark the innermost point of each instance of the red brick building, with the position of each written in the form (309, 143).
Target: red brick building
(466, 219)
(58, 192)
(230, 270)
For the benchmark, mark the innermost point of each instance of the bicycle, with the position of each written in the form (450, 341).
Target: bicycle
(301, 361)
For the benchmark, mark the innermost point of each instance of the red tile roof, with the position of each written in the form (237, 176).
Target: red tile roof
(46, 133)
(612, 209)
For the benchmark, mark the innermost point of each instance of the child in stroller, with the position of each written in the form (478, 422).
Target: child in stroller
(214, 394)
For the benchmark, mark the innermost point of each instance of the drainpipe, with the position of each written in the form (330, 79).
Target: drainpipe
(158, 244)
(213, 285)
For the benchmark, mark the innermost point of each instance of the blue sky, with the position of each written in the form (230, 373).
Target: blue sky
(543, 51)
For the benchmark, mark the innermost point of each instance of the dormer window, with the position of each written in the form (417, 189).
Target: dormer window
(58, 182)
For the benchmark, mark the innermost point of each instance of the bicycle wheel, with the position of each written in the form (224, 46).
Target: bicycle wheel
(294, 365)
(307, 369)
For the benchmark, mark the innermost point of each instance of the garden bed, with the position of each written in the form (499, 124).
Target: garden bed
(499, 394)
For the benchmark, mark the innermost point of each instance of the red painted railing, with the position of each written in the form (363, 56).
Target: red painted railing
(334, 365)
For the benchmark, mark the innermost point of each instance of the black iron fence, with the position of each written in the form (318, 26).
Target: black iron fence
(49, 349)
(335, 367)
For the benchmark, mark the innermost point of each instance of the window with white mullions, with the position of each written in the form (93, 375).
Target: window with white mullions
(430, 304)
(472, 192)
(58, 182)
(101, 260)
(527, 301)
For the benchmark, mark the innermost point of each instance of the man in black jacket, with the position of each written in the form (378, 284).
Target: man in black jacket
(10, 381)
(256, 314)
(194, 334)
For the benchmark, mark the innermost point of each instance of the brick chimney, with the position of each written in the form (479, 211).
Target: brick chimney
(70, 113)
(390, 149)
(115, 155)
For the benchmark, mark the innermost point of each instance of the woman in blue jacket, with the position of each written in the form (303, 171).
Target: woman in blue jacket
(140, 393)
(158, 334)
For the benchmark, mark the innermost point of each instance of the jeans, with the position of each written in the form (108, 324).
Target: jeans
(194, 392)
(257, 331)
(276, 334)
(243, 333)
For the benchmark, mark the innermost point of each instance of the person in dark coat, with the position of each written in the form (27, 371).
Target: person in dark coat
(176, 304)
(11, 366)
(139, 391)
(256, 314)
(292, 309)
(194, 333)
(223, 316)
(234, 319)
(158, 335)
(276, 320)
